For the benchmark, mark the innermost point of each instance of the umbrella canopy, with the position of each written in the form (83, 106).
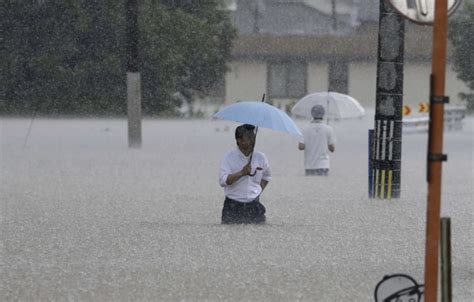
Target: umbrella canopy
(259, 114)
(337, 105)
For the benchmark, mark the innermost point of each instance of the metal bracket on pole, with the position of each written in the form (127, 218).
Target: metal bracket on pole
(439, 99)
(434, 99)
(434, 157)
(437, 157)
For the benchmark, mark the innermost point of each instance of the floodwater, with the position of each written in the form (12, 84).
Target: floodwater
(85, 218)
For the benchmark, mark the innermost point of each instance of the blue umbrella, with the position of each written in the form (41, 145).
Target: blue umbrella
(259, 114)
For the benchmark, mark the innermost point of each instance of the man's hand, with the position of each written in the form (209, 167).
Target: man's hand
(246, 170)
(263, 184)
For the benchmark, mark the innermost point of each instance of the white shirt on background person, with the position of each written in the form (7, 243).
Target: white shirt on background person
(316, 138)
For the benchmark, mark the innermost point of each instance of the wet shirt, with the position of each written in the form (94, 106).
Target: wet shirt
(246, 188)
(317, 137)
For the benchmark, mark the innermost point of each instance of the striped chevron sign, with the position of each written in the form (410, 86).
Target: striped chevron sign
(423, 107)
(406, 110)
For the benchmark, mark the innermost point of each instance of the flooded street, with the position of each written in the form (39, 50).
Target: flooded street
(83, 217)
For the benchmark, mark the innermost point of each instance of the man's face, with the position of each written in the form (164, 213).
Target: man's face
(246, 142)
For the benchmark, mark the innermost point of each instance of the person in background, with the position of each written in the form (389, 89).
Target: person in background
(244, 174)
(319, 140)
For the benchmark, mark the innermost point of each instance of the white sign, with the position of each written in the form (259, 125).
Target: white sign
(421, 11)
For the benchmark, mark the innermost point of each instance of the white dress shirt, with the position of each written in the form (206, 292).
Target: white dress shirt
(246, 188)
(317, 137)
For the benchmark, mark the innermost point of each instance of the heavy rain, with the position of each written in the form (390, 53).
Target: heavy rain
(89, 214)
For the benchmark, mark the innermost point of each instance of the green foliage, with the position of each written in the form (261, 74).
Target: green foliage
(69, 57)
(461, 35)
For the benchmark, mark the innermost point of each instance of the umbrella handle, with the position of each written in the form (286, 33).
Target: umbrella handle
(250, 160)
(254, 142)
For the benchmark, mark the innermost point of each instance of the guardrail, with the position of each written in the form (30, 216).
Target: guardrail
(453, 120)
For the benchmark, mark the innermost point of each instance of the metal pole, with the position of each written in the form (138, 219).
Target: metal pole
(334, 15)
(370, 158)
(435, 149)
(134, 110)
(256, 13)
(389, 103)
(446, 280)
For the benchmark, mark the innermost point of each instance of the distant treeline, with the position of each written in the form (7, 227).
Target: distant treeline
(69, 57)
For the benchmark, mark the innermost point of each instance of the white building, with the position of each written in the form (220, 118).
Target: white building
(290, 48)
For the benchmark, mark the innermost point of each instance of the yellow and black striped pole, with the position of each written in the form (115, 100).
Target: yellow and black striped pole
(383, 183)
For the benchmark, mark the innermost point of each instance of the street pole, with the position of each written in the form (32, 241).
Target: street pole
(435, 149)
(134, 110)
(387, 139)
(446, 278)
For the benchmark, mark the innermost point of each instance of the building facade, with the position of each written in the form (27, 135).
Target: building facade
(290, 48)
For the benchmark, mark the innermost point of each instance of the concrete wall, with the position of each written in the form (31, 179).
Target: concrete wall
(362, 82)
(317, 77)
(246, 80)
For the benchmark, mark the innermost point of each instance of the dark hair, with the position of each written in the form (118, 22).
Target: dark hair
(243, 129)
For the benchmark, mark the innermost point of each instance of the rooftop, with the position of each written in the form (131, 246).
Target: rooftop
(362, 45)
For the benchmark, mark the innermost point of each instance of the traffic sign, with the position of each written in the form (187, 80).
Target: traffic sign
(406, 110)
(423, 107)
(421, 11)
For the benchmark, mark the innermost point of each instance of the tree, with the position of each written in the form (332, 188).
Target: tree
(69, 57)
(461, 35)
(61, 57)
(184, 48)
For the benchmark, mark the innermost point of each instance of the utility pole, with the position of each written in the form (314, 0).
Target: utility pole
(256, 14)
(134, 106)
(387, 141)
(433, 12)
(334, 15)
(435, 148)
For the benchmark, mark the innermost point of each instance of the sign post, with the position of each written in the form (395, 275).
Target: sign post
(435, 150)
(436, 12)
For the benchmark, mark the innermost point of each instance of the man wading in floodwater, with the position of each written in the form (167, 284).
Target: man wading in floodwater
(319, 140)
(244, 174)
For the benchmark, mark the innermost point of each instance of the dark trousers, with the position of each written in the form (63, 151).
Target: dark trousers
(242, 212)
(317, 172)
